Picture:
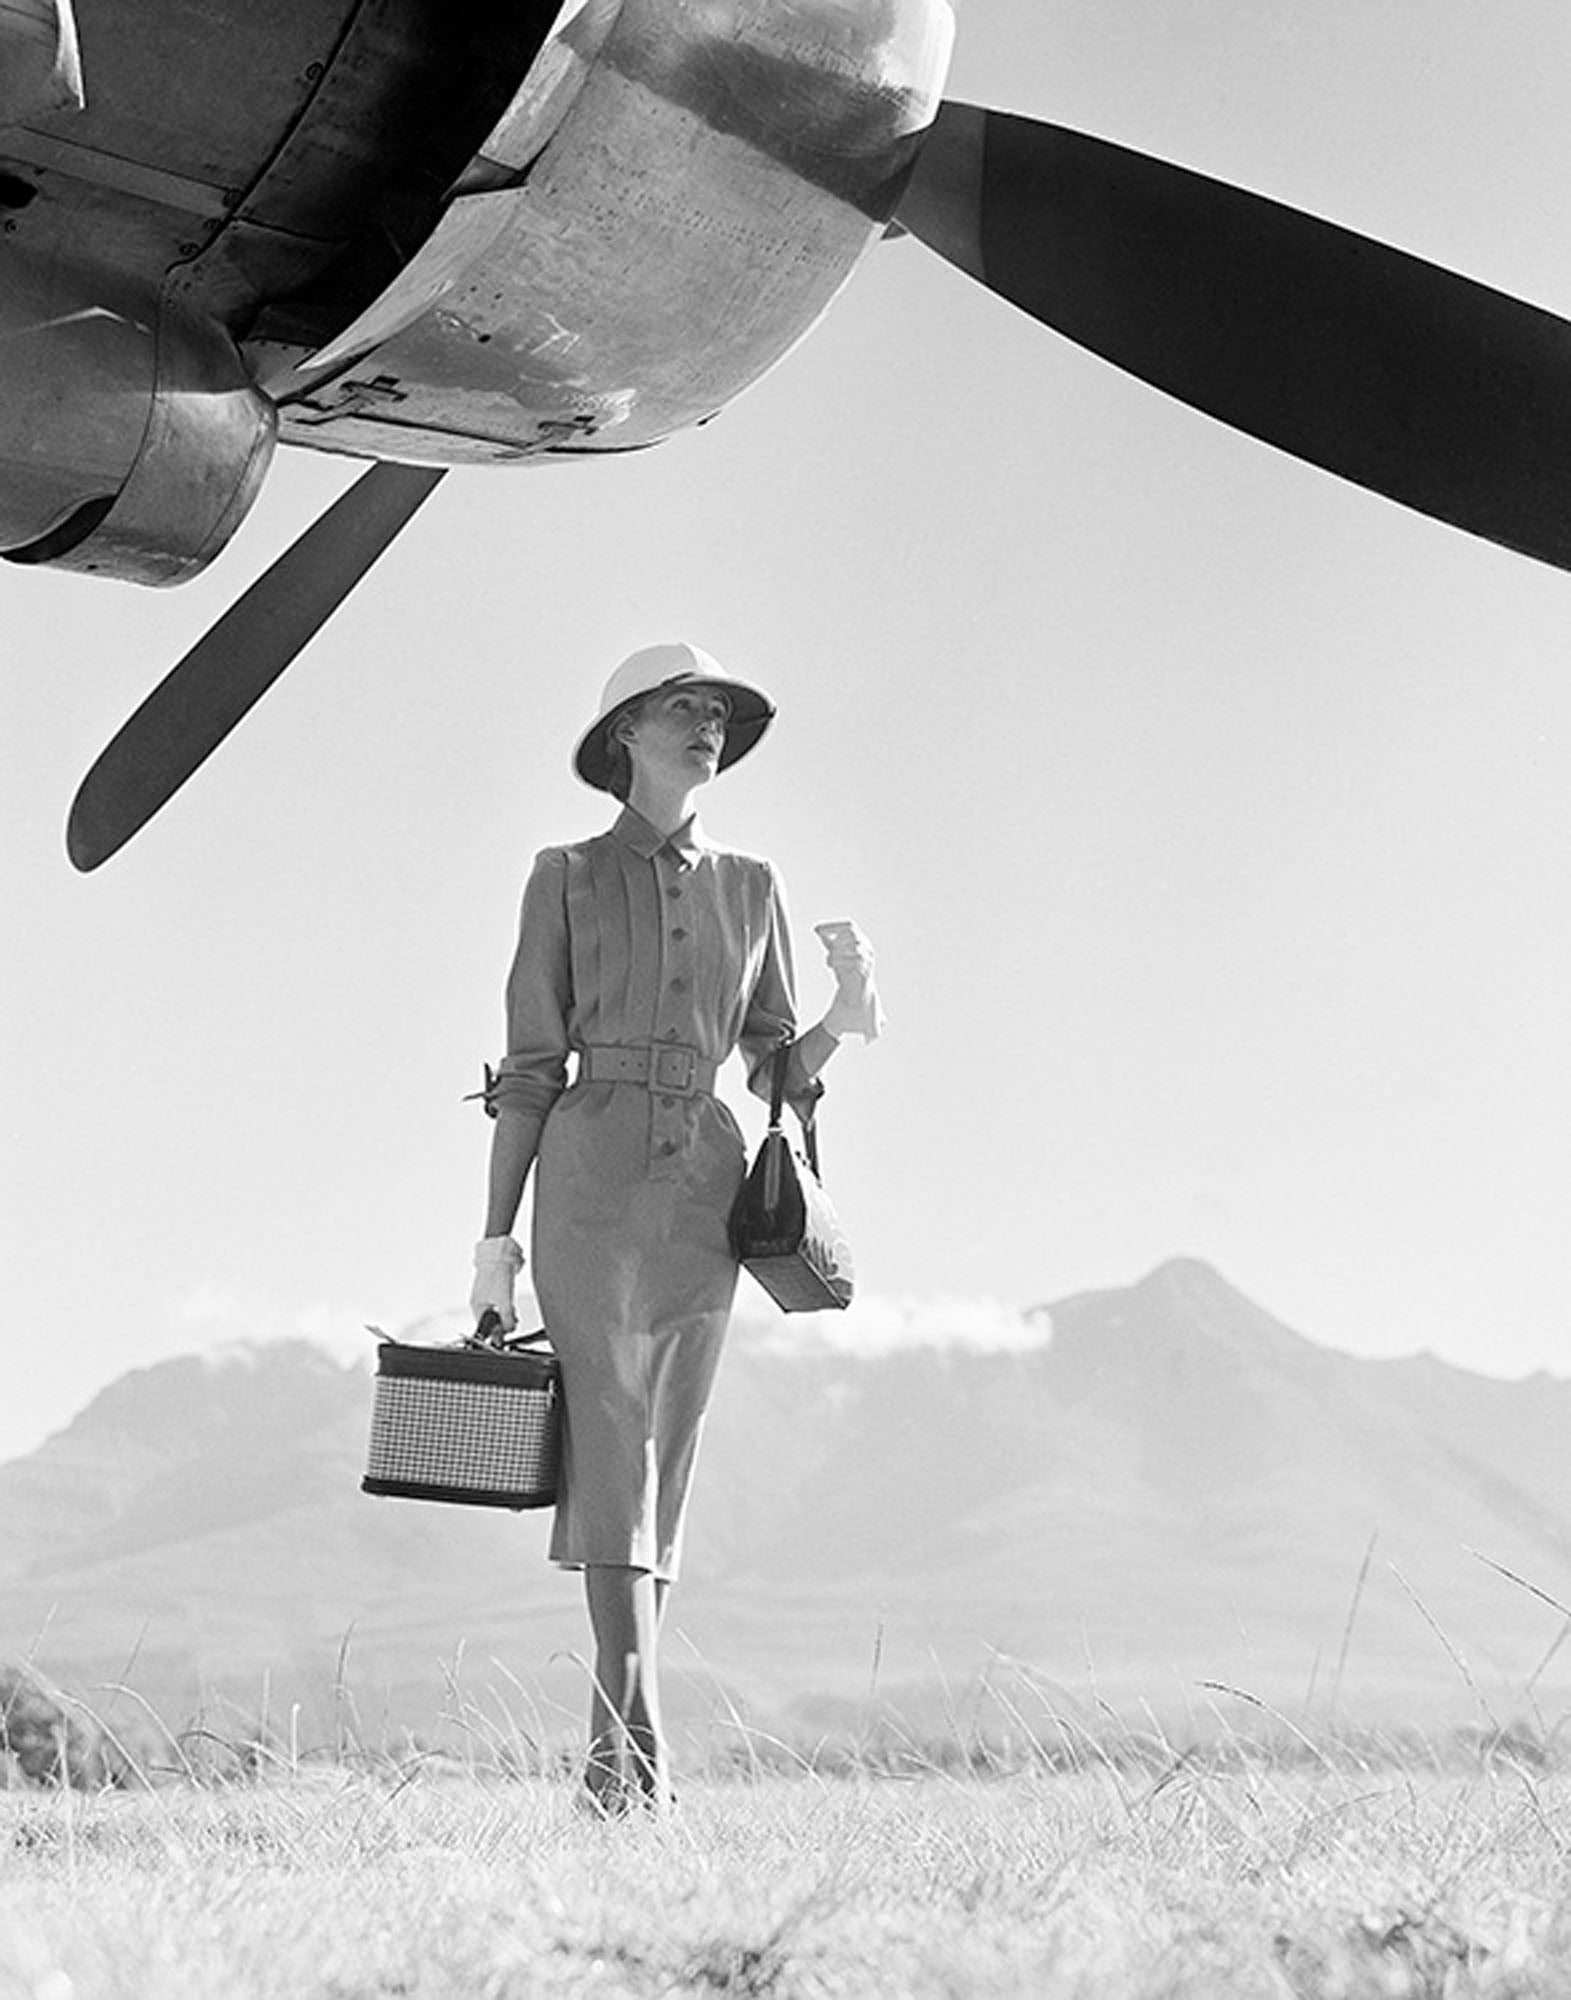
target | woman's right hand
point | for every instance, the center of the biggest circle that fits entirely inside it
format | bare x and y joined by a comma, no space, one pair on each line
498,1261
855,1009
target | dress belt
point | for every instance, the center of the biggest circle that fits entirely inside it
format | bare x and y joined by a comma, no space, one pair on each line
670,1068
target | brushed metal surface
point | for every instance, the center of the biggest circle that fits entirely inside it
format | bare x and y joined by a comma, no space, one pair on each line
40,59
230,157
664,203
199,464
289,157
79,362
719,169
542,102
134,178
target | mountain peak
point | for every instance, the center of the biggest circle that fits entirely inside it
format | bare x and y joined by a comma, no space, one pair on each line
240,1387
1190,1294
1187,1274
1180,1292
1182,1315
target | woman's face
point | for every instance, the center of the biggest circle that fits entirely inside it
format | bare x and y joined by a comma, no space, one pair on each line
679,731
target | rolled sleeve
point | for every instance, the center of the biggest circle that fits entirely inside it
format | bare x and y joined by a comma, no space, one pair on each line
533,1072
771,1013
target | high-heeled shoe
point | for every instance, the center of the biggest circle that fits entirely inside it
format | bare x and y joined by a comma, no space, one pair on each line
603,1792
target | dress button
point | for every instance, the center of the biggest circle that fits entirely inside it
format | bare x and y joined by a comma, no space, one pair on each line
666,1103
668,1145
679,934
679,985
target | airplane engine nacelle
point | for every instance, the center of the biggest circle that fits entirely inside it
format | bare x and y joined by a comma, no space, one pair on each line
677,193
132,437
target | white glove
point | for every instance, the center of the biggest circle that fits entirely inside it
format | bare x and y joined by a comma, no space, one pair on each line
854,1009
498,1261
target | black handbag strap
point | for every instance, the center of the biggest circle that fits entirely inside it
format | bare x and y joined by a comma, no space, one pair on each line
777,1078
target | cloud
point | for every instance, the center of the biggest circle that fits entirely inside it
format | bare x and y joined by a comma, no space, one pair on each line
875,1323
226,1321
883,1324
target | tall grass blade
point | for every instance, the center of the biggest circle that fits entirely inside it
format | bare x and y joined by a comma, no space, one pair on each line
1352,1617
1456,1658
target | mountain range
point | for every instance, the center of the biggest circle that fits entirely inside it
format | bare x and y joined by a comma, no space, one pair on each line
1169,1495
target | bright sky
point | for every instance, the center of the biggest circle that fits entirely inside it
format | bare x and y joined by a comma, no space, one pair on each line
1212,819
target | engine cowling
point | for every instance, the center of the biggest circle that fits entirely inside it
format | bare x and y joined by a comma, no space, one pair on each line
693,182
132,437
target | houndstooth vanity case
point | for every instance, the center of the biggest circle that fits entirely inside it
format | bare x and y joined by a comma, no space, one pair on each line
479,1424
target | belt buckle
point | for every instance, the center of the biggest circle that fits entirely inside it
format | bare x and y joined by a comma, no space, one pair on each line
674,1069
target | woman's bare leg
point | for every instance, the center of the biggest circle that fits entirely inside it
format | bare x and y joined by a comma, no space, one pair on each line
627,1753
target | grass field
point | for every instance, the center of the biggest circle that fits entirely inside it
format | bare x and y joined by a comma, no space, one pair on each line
1271,1869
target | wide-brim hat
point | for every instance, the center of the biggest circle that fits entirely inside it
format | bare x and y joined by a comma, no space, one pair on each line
648,671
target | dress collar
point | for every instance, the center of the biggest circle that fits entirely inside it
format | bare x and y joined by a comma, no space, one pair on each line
634,831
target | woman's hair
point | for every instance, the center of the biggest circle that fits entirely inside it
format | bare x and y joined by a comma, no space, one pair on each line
619,772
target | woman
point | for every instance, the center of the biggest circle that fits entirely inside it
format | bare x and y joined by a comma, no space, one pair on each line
648,955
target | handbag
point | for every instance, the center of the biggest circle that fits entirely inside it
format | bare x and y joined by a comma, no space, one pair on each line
783,1226
479,1424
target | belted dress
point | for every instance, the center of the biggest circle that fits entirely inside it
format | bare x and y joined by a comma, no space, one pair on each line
647,959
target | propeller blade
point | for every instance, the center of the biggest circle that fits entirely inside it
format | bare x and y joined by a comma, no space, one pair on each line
194,707
1434,390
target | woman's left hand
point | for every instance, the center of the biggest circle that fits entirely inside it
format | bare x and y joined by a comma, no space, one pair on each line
854,1009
